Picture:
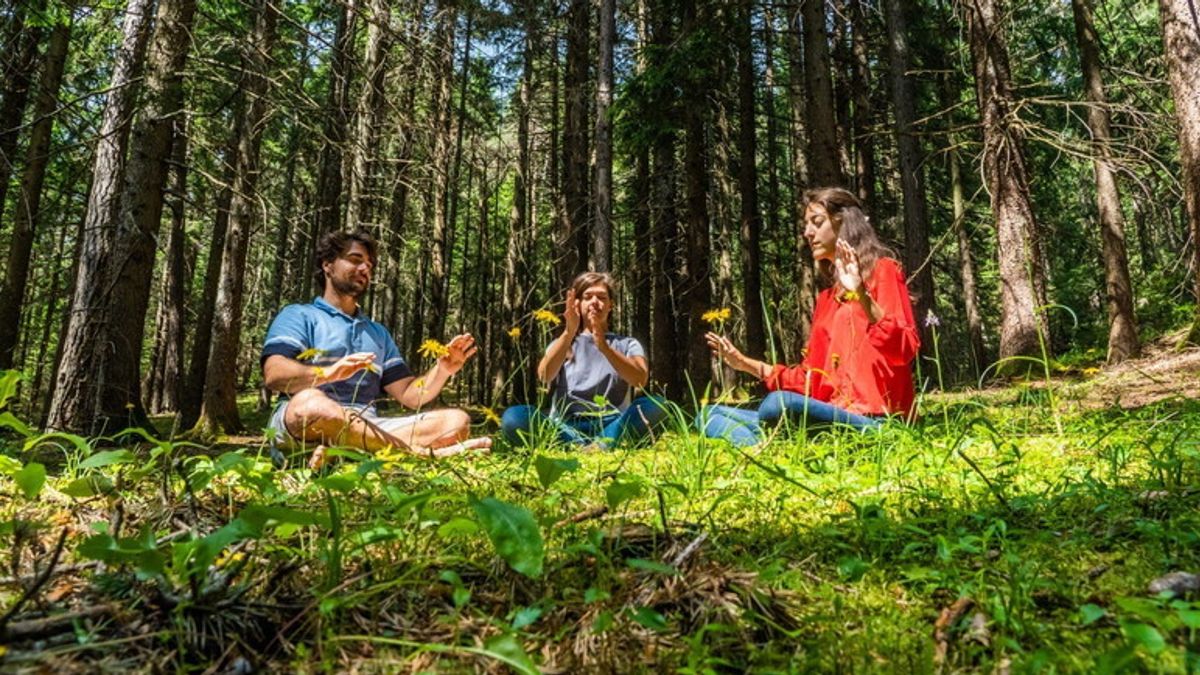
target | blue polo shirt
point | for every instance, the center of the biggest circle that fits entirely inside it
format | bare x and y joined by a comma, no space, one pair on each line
319,334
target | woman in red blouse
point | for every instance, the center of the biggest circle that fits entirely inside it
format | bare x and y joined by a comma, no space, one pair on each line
856,366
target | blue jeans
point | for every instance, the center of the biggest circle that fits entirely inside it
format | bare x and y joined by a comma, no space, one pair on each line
523,423
744,427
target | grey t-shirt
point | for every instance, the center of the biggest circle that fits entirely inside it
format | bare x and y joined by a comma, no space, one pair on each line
586,375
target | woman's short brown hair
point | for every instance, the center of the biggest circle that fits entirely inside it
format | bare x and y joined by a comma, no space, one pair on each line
588,279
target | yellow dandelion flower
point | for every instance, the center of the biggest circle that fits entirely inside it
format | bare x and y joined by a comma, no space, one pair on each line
514,332
547,317
433,349
716,316
318,372
419,383
309,354
491,416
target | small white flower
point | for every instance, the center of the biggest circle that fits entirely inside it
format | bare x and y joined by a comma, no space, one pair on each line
932,320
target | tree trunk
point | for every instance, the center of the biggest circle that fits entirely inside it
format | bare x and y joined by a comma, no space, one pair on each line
697,290
28,207
441,175
219,411
1122,328
824,165
860,86
1007,179
1181,43
572,240
640,284
602,235
131,267
164,395
73,404
370,115
966,268
751,217
328,216
800,146
912,181
17,74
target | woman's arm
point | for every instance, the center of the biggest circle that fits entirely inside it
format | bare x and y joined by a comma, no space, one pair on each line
558,351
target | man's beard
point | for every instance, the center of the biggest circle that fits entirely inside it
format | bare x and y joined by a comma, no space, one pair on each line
348,286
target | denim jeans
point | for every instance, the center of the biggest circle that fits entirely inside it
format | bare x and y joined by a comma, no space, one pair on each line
522,424
744,427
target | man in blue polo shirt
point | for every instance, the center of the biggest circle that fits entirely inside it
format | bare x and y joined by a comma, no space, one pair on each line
330,364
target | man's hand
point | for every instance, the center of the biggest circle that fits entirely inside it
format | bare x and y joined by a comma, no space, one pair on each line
346,367
461,348
571,314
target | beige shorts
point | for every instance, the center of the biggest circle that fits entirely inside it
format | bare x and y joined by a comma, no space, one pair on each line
284,440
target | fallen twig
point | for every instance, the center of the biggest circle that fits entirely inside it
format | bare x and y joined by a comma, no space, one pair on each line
941,628
37,583
48,625
586,514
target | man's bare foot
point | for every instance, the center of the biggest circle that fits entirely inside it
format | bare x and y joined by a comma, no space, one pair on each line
318,458
481,444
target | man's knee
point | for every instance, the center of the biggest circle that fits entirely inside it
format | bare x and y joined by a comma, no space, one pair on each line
454,423
311,408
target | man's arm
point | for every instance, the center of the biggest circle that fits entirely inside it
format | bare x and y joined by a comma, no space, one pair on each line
288,376
416,392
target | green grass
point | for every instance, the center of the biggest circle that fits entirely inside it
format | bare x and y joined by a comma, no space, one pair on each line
836,553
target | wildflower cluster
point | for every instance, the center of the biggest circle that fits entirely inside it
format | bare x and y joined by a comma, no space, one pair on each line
433,349
514,332
716,316
546,316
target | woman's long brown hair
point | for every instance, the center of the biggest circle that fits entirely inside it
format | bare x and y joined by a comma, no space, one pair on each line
852,224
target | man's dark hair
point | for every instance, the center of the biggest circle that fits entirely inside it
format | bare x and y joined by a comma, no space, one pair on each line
335,244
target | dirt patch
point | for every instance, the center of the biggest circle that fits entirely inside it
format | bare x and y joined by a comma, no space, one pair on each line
1161,373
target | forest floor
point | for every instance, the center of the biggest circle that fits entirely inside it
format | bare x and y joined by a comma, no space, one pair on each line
1015,528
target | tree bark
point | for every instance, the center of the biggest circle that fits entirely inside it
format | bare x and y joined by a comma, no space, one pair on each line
73,404
370,112
442,174
912,180
572,240
824,165
17,74
1007,180
966,268
328,217
697,290
640,275
131,268
166,386
219,411
1181,43
860,79
28,207
800,146
750,216
602,231
1122,328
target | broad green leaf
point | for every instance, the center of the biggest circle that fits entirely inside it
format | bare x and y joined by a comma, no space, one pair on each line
8,465
457,527
595,595
1090,613
10,421
31,479
106,458
549,469
619,492
339,482
8,385
255,516
602,622
1144,635
652,566
649,618
852,568
89,486
1189,617
513,532
79,442
526,616
506,648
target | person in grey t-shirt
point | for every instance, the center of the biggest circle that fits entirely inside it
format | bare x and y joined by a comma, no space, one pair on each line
592,374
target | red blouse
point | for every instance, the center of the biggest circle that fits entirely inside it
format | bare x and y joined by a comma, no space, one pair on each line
856,365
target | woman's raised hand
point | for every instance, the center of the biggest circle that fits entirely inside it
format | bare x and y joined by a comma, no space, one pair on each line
571,313
845,263
725,349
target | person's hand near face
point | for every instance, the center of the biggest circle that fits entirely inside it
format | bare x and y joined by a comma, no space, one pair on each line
845,263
